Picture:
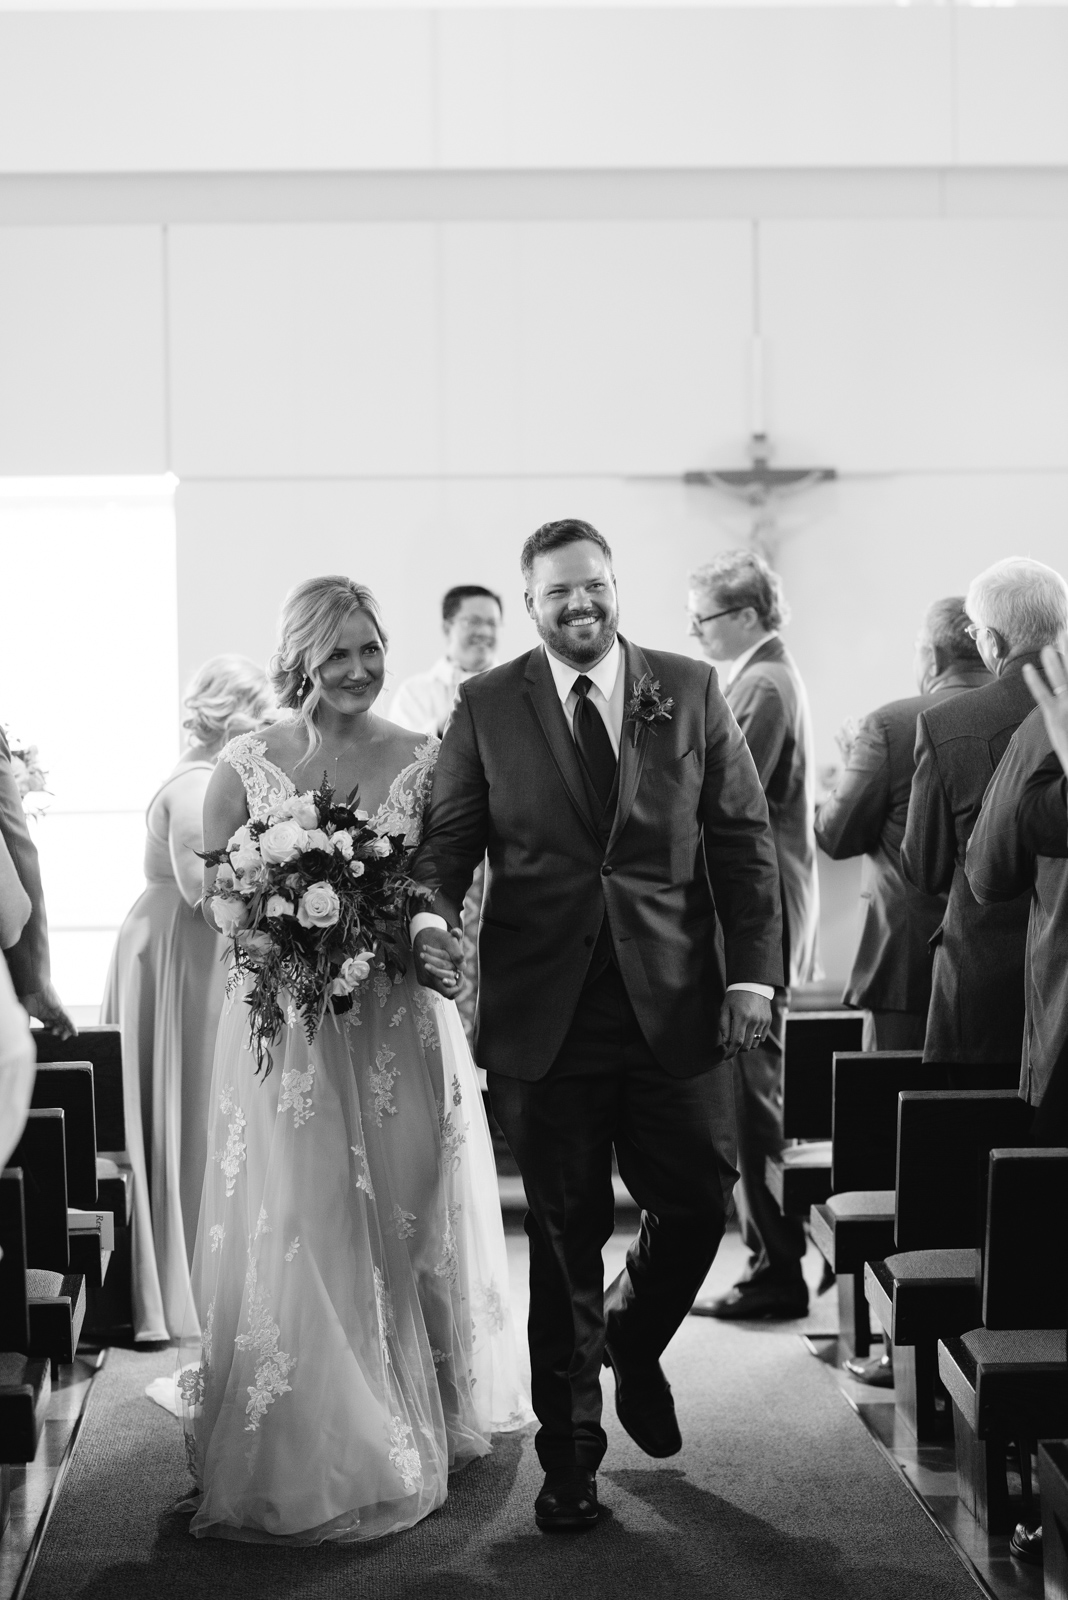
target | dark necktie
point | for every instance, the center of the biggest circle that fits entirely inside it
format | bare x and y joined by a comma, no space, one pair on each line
594,745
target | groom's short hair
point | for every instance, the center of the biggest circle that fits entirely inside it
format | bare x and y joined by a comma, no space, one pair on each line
554,535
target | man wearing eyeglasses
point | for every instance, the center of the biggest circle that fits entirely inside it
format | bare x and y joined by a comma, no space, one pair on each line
977,982
736,608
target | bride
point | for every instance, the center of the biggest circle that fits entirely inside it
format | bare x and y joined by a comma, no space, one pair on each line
350,1274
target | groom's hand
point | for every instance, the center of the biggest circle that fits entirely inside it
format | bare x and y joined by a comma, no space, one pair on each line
744,1020
438,957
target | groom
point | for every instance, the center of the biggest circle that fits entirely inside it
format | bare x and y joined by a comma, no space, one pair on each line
625,827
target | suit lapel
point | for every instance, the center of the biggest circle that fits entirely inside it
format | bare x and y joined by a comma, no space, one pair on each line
631,753
549,715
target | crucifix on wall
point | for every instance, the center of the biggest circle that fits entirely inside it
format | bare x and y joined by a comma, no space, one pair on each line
761,486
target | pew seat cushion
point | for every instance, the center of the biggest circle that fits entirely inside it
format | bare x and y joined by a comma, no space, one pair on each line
922,1295
853,1227
800,1176
57,1311
1012,1382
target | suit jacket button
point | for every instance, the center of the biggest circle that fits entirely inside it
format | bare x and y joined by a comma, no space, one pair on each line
606,871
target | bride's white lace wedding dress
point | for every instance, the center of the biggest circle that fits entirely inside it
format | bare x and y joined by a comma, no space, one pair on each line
350,1275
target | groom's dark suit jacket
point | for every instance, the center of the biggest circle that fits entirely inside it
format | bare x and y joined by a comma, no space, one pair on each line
686,851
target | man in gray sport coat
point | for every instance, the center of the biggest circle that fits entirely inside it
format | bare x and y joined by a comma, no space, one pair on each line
630,934
737,608
977,982
865,815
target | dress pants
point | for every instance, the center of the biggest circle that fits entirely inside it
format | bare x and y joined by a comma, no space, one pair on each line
894,1030
776,1243
674,1143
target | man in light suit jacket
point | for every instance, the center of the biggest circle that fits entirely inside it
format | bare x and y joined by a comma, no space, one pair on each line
891,977
1020,847
630,938
28,960
736,609
977,980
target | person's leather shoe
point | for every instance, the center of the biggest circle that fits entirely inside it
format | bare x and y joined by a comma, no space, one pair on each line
1026,1545
876,1371
644,1405
756,1302
567,1502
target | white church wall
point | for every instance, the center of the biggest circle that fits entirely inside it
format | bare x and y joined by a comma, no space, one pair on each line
917,345
81,350
201,90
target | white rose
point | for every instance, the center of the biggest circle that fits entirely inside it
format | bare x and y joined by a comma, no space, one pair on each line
283,841
224,877
230,914
319,907
242,839
357,869
279,906
362,816
339,986
302,809
341,843
246,863
355,970
376,847
316,839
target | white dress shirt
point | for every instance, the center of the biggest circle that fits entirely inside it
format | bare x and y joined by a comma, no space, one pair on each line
607,695
425,700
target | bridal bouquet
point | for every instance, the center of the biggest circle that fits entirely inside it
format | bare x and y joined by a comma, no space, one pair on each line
313,899
30,776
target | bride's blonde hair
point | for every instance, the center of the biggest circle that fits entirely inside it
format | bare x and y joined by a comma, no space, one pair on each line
313,616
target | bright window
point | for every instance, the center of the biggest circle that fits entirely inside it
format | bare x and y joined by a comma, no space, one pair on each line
89,673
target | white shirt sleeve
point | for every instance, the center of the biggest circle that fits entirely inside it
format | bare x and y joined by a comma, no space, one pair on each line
754,988
427,919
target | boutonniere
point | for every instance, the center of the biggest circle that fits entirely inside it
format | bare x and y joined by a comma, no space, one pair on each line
647,706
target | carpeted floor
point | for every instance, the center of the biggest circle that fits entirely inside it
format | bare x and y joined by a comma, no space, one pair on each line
779,1494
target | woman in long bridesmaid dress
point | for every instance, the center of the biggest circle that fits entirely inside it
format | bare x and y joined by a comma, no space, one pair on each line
165,990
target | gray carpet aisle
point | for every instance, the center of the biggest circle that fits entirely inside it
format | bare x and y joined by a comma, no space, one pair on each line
779,1492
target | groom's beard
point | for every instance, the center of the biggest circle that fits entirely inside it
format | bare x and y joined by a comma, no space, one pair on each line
581,649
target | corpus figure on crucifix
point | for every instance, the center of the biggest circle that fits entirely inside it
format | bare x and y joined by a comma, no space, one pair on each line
760,486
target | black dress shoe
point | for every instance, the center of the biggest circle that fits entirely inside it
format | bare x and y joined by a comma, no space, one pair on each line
756,1302
876,1371
567,1502
644,1405
1026,1545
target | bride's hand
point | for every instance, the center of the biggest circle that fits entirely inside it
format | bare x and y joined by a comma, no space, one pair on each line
438,958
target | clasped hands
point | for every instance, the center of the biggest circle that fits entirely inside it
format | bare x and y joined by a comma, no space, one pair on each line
439,954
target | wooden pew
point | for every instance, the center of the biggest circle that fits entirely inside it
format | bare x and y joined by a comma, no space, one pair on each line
855,1224
1008,1379
102,1047
800,1177
56,1295
25,1381
1053,1487
110,1310
90,1226
929,1287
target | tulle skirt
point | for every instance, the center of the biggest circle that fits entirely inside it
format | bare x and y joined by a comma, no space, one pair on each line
165,989
350,1277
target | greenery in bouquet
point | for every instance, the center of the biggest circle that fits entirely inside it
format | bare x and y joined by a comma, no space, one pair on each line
314,900
30,777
